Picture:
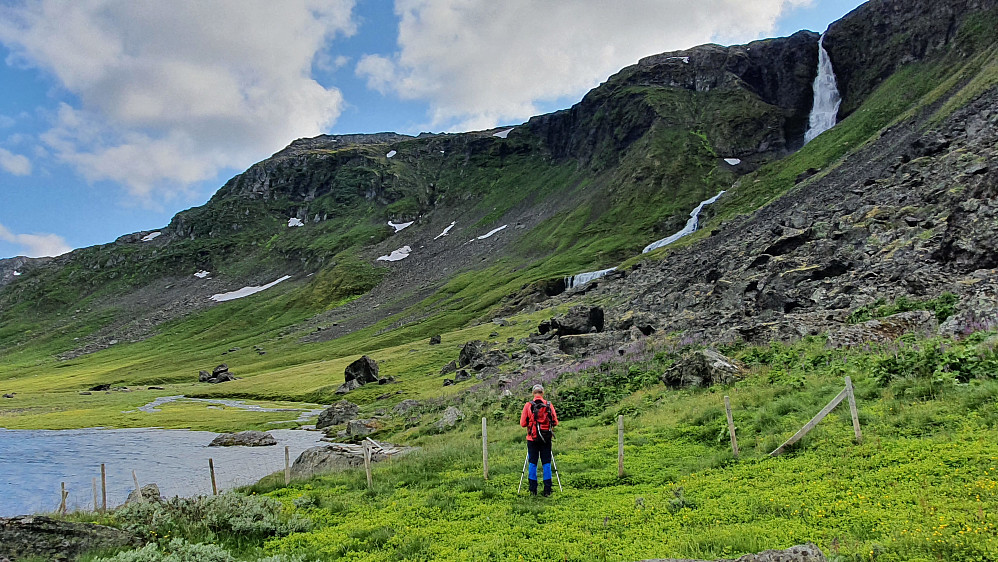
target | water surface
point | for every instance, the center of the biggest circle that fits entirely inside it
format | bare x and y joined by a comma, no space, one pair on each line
34,462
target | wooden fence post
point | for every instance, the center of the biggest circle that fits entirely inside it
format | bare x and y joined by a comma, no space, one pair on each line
367,465
138,490
287,465
103,487
620,446
731,426
485,449
62,498
211,469
810,425
853,411
96,503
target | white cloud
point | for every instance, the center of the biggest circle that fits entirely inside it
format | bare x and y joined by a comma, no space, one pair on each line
171,92
36,245
16,164
6,121
480,63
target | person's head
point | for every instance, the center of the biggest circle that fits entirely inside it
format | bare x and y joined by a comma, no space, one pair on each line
538,392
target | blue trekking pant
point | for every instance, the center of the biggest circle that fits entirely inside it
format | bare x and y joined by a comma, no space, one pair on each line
539,450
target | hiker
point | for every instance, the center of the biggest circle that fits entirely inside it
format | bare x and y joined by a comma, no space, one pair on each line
539,418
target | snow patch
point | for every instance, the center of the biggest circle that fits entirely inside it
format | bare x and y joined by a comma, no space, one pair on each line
246,291
733,161
17,274
391,153
202,274
400,226
691,226
581,279
491,232
151,236
397,255
446,231
293,222
503,134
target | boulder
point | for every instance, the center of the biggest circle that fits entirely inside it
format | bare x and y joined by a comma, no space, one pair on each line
145,494
579,320
328,458
360,428
462,375
223,368
244,439
363,370
449,418
203,376
102,387
802,553
473,352
340,412
347,387
448,368
448,382
435,340
701,368
218,374
44,538
405,406
644,322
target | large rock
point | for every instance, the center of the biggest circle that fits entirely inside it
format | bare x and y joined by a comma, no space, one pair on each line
449,418
328,458
363,370
701,368
405,406
44,538
579,320
473,352
802,553
340,412
244,439
218,374
360,428
348,386
145,494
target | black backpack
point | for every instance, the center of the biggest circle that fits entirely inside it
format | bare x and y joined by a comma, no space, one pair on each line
536,407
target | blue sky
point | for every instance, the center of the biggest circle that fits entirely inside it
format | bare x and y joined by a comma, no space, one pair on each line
114,116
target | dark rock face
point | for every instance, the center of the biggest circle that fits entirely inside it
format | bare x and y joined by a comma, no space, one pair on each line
870,43
363,370
49,539
340,412
243,439
579,320
802,553
701,369
472,352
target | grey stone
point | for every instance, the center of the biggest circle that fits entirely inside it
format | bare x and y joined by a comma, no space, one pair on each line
340,412
473,352
244,439
449,418
360,428
363,370
145,494
435,340
448,368
579,320
405,406
701,368
348,386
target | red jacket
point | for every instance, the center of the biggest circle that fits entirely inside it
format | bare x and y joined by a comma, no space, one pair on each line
527,419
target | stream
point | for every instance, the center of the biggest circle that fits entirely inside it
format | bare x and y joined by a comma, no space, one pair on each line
34,462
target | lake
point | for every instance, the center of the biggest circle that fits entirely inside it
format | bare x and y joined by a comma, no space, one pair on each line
34,462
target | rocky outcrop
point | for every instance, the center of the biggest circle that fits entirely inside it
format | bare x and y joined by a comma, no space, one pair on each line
33,536
921,322
449,418
802,553
578,320
360,428
702,368
340,412
359,373
244,439
338,456
218,374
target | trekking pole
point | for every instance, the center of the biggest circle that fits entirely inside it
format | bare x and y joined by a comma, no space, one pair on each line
554,465
522,472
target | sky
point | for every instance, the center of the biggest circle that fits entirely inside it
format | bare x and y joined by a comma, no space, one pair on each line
116,114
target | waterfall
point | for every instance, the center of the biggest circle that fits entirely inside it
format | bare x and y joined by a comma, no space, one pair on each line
825,110
691,226
581,279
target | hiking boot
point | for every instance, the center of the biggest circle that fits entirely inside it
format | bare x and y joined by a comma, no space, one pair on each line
532,486
547,488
